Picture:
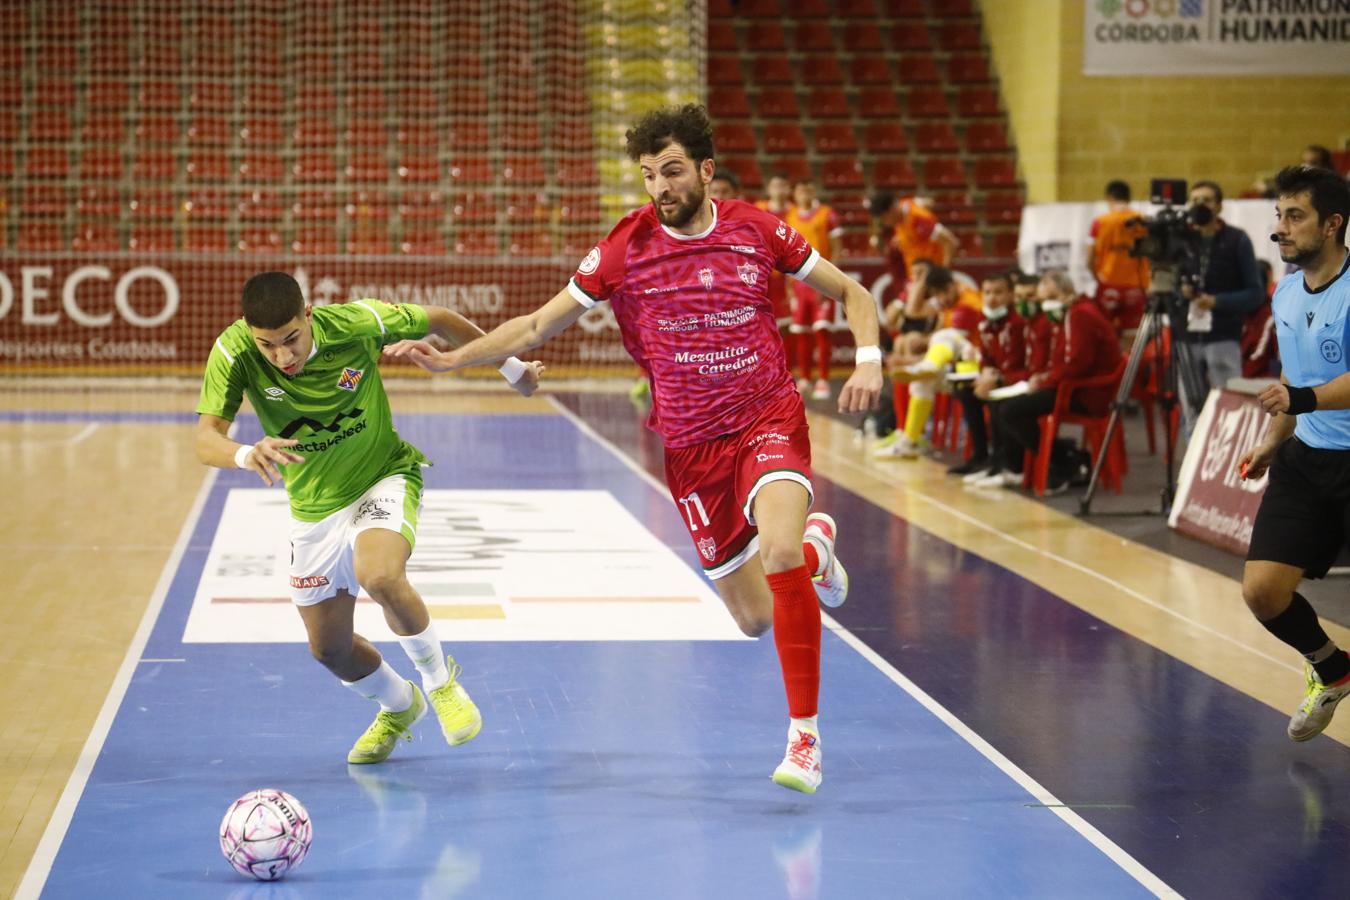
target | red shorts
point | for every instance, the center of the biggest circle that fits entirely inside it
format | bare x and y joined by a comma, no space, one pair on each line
714,483
810,309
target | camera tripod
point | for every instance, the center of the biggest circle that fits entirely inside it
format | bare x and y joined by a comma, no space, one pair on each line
1178,379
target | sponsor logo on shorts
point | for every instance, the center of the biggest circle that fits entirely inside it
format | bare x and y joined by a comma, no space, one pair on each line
707,548
350,378
765,457
307,582
371,509
771,437
591,262
749,273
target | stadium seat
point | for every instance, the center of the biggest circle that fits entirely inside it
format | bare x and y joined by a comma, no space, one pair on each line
153,205
943,172
968,69
822,70
810,9
530,243
771,70
161,58
367,134
878,103
55,92
760,9
728,103
935,137
365,166
422,206
315,99
579,209
98,202
260,206
100,164
955,9
159,96
955,209
474,208
986,137
576,171
885,137
314,131
58,59
471,168
796,168
994,172
417,135
971,245
12,55
957,36
870,70
422,242
778,103
206,239
260,240
104,95
109,56
835,137
919,68
208,166
368,241
910,37
315,241
828,103
852,213
1003,209
473,242
520,136
48,162
261,134
856,9
206,206
725,70
210,131
842,174
371,205
926,103
522,170
263,98
152,240
261,168
41,237
211,97
314,206
1004,244
809,37
96,237
49,126
977,103
735,137
467,100
857,242
861,37
415,100
6,163
895,173
44,201
721,37
746,169
101,128
314,168
784,137
156,130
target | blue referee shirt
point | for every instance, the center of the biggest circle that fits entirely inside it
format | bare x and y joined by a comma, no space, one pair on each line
1313,331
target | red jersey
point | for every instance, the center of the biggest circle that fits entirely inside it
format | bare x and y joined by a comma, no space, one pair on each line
1084,347
1039,334
1003,346
694,312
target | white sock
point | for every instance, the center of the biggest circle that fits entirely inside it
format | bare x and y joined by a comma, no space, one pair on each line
385,686
425,652
809,723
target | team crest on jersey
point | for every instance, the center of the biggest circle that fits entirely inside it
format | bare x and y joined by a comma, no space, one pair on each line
591,262
350,378
705,277
708,548
1331,351
749,274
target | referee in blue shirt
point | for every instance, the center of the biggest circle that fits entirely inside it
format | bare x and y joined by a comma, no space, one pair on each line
1305,513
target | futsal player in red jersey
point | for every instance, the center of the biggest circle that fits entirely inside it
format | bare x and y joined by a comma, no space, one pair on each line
687,279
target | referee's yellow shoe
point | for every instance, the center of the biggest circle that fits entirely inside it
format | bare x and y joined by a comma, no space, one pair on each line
460,719
1319,704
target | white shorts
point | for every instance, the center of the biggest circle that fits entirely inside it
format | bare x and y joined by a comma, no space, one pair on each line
321,552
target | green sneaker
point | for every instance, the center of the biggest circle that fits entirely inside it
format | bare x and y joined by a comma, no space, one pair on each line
1319,702
387,729
460,719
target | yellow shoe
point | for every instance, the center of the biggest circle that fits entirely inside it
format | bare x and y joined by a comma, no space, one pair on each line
460,719
387,730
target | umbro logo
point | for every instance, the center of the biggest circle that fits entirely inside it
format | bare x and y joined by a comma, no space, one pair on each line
274,393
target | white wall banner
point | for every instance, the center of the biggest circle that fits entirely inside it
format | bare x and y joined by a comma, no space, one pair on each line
1216,37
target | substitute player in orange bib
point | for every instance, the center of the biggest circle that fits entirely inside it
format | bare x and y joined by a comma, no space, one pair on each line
687,279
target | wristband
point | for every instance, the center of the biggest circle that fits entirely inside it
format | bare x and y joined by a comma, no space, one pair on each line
1301,400
870,354
512,369
241,456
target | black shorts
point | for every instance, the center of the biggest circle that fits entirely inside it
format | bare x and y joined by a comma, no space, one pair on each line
1303,516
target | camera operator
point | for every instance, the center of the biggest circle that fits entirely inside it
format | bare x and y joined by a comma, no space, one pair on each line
1223,287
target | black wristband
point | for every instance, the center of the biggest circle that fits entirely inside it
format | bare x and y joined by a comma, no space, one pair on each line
1301,400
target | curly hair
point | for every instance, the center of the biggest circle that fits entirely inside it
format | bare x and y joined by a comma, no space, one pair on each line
1327,192
687,126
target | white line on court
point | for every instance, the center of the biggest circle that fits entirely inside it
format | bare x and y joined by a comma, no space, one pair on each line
83,435
40,866
1109,848
1064,561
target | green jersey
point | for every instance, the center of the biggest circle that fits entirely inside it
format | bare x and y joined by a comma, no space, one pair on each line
335,406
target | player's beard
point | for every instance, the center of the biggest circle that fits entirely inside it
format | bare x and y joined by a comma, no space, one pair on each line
684,210
1303,256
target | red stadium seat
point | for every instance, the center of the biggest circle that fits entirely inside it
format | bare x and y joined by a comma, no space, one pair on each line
856,9
314,206
315,99
467,100
153,205
822,70
926,103
812,37
852,213
968,69
935,137
314,131
211,96
260,240
93,237
44,201
476,243
110,56
261,168
885,137
857,242
784,137
55,92
419,168
368,241
978,103
101,128
12,55
579,209
62,59
261,206
9,125
315,241
721,37
152,240
48,162
911,37
835,137
520,136
469,136
106,95
422,206
735,137
156,130
746,169
263,97
728,103
367,133
810,9
158,58
919,68
878,103
772,70
6,164
369,206
100,164
870,70
943,172
313,168
159,96
420,135
49,125
208,166
261,134
471,168
972,245
955,9
210,131
893,172
206,239
367,167
1004,244
575,171
778,103
207,206
760,9
530,243
796,168
828,103
995,171
1003,209
986,137
842,174
862,36
954,36
522,170
417,100
725,70
41,237
98,202
422,242
474,208
955,209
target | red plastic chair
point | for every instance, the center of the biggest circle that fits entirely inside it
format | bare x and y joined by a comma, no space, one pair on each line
1036,472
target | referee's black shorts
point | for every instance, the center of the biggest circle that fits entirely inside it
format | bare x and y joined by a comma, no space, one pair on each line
1303,519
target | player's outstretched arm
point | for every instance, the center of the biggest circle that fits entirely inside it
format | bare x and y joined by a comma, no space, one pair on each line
457,331
863,388
507,339
214,448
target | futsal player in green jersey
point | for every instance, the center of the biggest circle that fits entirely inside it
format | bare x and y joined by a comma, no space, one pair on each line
312,375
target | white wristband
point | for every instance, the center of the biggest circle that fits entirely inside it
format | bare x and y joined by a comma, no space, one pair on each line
870,354
241,456
512,369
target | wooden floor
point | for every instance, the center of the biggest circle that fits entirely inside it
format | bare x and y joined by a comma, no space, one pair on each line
99,484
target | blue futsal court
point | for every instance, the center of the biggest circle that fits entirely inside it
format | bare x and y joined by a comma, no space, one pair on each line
981,736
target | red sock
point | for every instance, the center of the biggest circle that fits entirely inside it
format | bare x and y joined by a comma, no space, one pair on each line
804,353
812,557
796,632
823,348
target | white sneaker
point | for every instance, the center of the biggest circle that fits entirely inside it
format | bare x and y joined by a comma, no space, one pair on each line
1319,704
901,448
803,385
832,584
999,480
800,768
822,390
973,477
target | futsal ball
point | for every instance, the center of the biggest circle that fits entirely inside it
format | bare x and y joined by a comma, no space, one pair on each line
265,834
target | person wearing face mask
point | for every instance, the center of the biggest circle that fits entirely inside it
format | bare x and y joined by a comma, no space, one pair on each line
1001,341
1084,345
1224,289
